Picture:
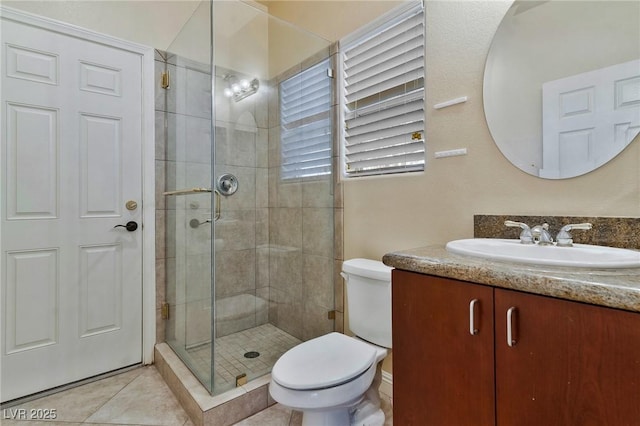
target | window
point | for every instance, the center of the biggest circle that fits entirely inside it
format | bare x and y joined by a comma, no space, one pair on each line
383,95
305,123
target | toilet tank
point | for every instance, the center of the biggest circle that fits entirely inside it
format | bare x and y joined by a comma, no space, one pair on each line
368,285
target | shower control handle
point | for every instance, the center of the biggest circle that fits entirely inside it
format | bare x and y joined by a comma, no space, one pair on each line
130,226
227,184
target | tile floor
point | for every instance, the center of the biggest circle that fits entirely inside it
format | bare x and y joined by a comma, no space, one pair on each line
135,397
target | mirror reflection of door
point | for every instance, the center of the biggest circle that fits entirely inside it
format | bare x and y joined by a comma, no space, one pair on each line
542,41
589,118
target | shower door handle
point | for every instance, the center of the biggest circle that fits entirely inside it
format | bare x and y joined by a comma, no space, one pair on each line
216,194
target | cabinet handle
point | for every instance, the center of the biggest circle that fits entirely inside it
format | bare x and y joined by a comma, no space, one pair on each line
510,313
472,311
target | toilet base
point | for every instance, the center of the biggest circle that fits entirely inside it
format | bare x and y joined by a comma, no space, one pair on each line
326,418
367,412
372,419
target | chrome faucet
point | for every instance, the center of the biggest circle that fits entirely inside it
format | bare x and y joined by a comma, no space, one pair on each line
541,234
526,237
564,238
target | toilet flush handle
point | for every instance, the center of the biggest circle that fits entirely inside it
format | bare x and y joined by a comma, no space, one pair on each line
345,276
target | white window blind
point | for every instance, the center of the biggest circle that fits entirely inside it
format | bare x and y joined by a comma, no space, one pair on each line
305,123
383,95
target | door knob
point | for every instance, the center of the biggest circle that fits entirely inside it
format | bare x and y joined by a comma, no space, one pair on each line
131,226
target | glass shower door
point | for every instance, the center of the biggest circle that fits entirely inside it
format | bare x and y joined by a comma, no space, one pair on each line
250,272
273,281
188,196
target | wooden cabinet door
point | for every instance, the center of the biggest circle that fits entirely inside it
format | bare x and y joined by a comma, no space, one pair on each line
442,374
572,363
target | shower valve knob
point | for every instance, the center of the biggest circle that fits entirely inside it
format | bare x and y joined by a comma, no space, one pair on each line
227,184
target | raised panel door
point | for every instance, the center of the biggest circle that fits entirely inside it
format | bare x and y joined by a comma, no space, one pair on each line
71,120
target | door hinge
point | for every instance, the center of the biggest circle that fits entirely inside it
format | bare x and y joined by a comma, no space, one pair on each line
331,314
165,80
330,72
241,379
165,311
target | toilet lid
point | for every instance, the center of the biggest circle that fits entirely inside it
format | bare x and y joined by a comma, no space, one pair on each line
323,362
368,268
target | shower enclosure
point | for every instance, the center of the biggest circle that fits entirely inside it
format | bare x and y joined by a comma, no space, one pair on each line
247,203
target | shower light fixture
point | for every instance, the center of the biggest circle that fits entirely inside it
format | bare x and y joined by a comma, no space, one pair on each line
240,89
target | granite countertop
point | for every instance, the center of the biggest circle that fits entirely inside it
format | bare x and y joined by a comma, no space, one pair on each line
615,288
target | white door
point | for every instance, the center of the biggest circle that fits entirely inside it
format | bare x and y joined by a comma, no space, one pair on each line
71,159
589,118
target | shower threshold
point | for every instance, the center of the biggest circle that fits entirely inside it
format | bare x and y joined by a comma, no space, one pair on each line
236,403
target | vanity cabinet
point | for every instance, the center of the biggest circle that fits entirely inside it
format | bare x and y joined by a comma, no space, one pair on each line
442,375
568,363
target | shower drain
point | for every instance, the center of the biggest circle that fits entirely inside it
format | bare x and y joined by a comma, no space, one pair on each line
252,354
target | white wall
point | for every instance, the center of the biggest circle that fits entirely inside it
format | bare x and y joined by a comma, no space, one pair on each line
153,23
330,19
400,212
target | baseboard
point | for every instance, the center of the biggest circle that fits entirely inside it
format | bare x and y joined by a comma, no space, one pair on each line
386,386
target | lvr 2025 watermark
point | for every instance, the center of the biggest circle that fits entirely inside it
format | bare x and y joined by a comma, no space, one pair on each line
29,414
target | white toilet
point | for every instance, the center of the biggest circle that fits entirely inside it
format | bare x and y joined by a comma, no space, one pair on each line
333,379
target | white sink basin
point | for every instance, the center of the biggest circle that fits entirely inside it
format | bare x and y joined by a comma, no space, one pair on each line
580,255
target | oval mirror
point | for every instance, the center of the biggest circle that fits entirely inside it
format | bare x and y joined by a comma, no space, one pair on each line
562,84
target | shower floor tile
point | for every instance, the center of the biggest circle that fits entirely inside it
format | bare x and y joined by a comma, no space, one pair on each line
229,357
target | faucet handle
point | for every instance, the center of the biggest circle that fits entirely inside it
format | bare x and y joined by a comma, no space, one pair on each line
564,238
569,227
515,224
526,237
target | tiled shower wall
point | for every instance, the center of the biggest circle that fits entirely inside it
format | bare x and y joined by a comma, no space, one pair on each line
278,244
302,260
242,232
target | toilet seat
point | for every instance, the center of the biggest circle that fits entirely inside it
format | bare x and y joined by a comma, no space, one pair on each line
326,361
